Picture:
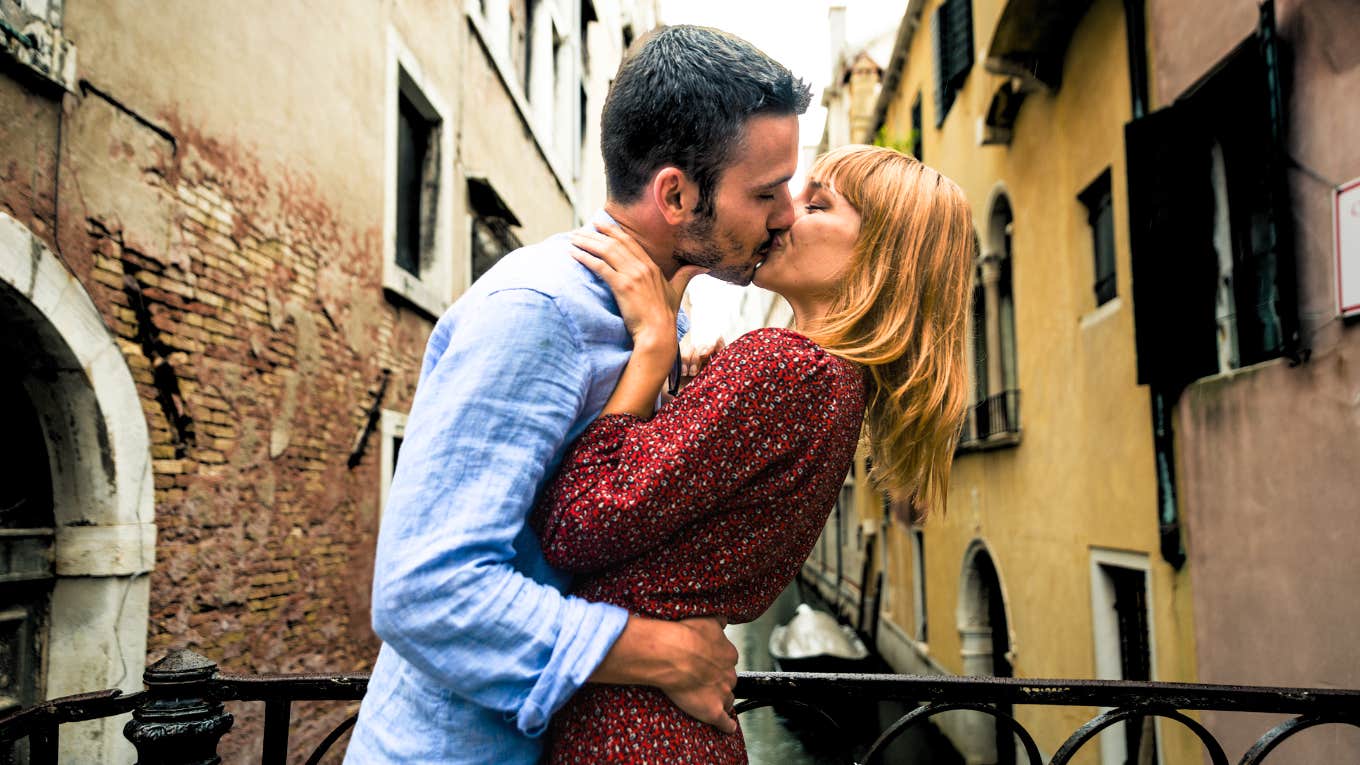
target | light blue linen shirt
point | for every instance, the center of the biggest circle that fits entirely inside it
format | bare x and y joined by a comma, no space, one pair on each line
480,646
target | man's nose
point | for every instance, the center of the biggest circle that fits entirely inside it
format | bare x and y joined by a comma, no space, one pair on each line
783,215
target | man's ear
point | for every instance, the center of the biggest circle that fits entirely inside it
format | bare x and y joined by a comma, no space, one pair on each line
674,195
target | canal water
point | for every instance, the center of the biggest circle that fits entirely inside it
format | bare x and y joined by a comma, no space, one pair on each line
771,739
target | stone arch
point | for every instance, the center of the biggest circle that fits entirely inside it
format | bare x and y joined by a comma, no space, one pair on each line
986,641
998,200
99,452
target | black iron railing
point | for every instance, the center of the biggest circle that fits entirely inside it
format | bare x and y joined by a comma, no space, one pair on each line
179,718
990,418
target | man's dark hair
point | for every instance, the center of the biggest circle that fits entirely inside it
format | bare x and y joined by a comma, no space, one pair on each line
682,97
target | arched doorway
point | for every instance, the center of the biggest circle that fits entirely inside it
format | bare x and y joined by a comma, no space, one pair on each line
78,513
984,631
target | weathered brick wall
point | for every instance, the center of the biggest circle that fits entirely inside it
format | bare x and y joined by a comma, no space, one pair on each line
255,326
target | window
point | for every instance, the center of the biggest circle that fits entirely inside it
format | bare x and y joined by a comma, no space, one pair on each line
565,87
417,249
417,165
522,40
1123,643
491,222
918,583
994,420
588,16
393,432
952,24
917,126
1210,224
1100,216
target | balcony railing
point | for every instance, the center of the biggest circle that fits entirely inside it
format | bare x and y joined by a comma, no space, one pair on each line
992,422
179,717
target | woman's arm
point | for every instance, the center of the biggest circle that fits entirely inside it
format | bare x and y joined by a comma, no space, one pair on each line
648,303
627,484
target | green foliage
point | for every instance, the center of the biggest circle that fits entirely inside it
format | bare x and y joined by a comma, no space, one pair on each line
903,145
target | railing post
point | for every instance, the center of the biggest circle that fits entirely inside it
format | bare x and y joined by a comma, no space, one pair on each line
180,724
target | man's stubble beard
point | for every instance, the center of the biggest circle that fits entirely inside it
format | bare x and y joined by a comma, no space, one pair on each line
699,247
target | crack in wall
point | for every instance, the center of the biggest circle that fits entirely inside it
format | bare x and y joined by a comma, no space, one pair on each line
157,351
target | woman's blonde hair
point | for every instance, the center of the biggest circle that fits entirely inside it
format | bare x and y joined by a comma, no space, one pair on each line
901,311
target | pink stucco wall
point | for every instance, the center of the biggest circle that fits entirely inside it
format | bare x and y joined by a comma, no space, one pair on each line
1269,457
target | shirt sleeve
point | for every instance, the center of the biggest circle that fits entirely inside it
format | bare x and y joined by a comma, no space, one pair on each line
492,411
630,484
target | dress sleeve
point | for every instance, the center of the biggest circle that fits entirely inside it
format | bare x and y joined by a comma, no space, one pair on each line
628,484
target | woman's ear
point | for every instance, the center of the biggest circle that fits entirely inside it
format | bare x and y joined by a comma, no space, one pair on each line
674,195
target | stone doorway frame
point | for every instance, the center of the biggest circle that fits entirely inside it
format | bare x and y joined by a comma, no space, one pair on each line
103,492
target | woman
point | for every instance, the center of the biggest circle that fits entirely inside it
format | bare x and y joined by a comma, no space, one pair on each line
711,506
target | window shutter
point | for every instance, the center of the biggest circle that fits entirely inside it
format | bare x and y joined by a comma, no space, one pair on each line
1175,271
959,40
1268,259
952,38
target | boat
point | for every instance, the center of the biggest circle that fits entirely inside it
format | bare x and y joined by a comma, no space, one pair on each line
813,641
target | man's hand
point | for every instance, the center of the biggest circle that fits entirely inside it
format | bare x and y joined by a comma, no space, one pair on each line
691,661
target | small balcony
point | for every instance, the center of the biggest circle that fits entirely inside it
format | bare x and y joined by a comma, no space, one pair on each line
992,423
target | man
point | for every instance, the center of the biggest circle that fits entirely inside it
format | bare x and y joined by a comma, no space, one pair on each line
480,646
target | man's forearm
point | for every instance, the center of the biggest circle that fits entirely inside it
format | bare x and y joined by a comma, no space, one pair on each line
691,661
640,655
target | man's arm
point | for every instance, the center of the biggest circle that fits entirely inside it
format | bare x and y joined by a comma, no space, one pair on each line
691,661
493,410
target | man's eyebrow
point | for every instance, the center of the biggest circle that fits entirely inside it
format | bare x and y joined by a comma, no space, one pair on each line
775,183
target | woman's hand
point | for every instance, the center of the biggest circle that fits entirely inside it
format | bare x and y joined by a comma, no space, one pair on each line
648,304
693,360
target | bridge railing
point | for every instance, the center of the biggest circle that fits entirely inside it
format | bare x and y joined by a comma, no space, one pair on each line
179,718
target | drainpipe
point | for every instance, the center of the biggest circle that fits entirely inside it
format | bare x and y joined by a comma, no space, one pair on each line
1168,511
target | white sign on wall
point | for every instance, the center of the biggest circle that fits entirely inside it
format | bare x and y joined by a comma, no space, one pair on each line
1346,214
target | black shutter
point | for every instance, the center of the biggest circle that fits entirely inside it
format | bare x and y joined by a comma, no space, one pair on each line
959,40
952,38
1269,258
1175,266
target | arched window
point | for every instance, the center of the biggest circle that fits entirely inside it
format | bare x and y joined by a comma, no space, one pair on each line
995,417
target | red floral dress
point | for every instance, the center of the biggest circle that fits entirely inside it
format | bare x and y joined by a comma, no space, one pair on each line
708,508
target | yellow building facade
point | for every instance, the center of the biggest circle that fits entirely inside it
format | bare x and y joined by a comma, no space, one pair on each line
1047,561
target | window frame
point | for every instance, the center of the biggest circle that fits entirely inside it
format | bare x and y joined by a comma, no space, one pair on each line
432,290
1098,199
393,428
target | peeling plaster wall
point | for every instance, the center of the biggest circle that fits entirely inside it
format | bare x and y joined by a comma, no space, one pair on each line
216,184
214,179
250,316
